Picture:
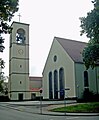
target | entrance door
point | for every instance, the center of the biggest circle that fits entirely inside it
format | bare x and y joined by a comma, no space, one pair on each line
20,96
33,96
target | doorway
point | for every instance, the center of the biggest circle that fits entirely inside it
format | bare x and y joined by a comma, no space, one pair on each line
20,96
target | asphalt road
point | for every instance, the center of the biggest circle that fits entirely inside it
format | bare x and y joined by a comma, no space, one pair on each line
7,113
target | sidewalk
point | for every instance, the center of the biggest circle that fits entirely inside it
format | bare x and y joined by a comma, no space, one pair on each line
44,107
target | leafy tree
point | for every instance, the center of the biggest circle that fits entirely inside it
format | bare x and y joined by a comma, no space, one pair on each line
2,63
90,27
91,55
1,86
7,10
1,74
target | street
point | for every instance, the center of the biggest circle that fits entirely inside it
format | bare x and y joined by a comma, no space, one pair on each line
7,113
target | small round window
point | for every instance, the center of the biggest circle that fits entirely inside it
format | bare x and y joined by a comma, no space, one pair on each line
55,58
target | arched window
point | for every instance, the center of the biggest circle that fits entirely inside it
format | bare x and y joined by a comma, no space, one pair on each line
20,36
86,84
55,84
50,86
61,81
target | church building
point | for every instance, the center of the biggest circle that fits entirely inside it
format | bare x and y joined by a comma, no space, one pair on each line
64,74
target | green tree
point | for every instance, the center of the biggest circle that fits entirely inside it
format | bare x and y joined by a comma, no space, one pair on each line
2,64
90,27
1,74
7,10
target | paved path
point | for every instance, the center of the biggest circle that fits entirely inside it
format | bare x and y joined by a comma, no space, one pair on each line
35,107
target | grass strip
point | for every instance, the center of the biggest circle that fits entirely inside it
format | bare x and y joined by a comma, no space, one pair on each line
82,108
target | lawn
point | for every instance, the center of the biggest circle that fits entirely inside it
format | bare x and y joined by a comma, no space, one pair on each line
85,107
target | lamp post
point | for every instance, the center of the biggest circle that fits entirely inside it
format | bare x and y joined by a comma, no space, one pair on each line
65,99
41,101
63,92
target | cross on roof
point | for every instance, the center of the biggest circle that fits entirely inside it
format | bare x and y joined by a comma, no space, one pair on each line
19,17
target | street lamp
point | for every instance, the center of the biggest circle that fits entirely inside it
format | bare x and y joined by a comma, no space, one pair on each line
41,100
62,91
64,98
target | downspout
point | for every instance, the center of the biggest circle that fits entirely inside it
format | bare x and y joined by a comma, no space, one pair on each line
76,83
96,81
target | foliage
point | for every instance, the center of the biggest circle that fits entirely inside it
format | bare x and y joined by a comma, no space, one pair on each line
7,10
1,86
91,55
2,65
88,95
90,27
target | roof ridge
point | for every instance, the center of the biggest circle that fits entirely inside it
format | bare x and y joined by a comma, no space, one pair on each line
70,40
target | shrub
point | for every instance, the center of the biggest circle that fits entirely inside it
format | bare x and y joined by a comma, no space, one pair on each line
88,96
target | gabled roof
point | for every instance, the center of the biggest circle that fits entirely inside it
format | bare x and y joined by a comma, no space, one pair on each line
73,48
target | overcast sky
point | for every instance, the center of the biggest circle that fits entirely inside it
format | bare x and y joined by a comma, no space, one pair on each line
48,18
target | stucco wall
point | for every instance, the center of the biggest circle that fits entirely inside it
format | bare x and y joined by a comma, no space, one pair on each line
92,79
79,79
19,63
63,61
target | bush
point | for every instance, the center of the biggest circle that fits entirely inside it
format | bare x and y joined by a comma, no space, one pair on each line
96,97
4,98
88,95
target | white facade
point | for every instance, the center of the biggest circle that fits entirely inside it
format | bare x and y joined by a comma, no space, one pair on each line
63,61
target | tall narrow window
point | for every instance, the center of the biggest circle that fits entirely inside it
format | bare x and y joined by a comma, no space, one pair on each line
86,84
55,84
50,86
61,81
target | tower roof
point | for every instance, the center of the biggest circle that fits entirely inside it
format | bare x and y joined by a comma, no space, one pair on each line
14,22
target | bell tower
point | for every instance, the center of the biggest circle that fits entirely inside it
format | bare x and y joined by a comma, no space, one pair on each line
19,62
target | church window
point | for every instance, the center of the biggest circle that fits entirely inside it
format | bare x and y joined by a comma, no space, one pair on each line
86,84
61,81
55,84
20,36
50,86
20,82
20,66
55,58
